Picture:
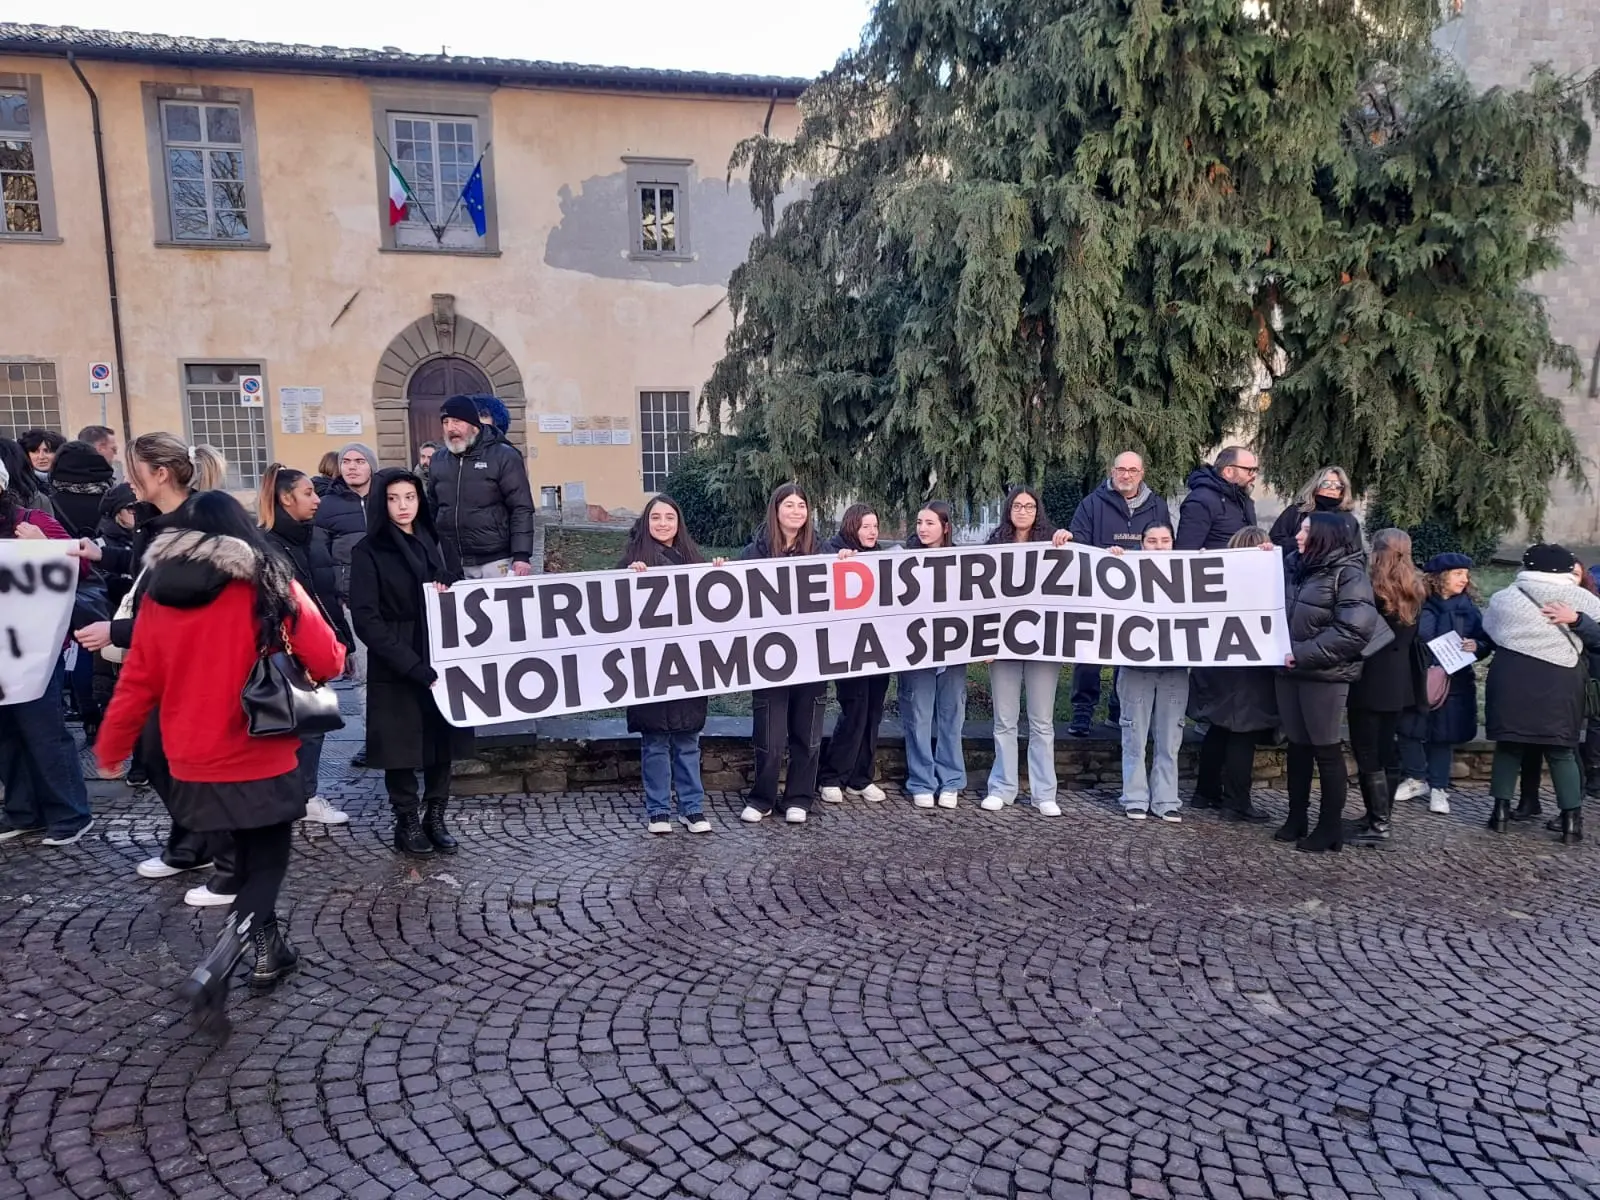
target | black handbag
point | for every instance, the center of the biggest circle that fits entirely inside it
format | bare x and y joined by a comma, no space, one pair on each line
279,698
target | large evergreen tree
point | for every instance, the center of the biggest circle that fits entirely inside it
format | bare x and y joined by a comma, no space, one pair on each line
1034,232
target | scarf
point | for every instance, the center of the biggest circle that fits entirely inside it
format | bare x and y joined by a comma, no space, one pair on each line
1514,621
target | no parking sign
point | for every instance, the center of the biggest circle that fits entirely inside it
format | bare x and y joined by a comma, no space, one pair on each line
100,377
251,393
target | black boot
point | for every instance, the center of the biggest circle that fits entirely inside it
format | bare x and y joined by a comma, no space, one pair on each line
1375,795
1571,825
1500,816
275,958
1527,809
1299,766
433,826
409,836
1329,833
206,989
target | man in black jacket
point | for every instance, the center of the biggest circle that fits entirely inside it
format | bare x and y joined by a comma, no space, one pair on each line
1218,504
1115,514
480,497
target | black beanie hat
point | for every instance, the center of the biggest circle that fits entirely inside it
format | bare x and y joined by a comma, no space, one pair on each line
1548,559
117,499
79,462
462,408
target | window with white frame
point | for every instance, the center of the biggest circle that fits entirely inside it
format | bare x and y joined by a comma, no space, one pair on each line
435,155
658,191
28,398
19,172
204,152
217,418
658,218
666,434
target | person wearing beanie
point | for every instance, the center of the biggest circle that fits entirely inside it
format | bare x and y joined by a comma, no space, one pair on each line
479,492
80,479
1428,738
1543,627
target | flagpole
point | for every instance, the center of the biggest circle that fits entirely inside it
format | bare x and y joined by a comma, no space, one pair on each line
436,230
475,168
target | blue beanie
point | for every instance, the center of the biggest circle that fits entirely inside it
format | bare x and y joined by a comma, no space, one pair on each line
1453,561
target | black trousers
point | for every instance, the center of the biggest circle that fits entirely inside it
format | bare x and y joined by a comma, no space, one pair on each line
787,718
262,862
1372,740
1227,765
402,786
186,848
847,761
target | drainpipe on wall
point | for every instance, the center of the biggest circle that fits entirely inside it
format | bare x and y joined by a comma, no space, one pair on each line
111,258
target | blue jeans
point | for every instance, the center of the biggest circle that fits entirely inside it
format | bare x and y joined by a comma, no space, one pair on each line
1429,761
933,707
1153,700
667,760
1086,692
310,764
39,766
1007,678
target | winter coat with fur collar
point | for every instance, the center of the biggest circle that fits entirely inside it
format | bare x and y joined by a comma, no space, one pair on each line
193,647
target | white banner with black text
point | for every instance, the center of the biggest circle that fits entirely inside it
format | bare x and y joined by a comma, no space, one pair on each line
543,646
37,584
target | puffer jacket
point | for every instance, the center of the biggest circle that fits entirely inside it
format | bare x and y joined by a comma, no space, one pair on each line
1212,512
482,502
1104,519
340,523
1333,617
686,715
313,567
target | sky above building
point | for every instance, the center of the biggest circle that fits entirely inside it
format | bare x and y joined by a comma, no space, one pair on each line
743,36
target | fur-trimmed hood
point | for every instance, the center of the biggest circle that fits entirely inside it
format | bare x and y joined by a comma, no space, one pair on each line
189,569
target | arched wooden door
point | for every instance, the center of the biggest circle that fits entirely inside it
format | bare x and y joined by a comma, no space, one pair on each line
433,383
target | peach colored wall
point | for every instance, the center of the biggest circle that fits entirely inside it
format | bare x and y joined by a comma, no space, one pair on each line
584,343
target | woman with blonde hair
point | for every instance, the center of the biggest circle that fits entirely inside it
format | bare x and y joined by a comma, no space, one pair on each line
1328,490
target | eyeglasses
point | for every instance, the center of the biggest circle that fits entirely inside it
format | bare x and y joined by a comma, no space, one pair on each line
1024,506
1251,470
1126,470
1332,485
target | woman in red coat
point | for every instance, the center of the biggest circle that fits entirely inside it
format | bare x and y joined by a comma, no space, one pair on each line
215,600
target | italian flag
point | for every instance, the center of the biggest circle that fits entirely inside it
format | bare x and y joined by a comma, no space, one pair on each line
397,196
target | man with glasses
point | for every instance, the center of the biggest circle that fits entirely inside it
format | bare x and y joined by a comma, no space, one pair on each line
1116,513
1218,504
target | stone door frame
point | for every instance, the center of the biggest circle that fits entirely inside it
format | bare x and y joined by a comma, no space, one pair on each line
441,334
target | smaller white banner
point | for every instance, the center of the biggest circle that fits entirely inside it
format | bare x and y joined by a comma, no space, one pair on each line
37,583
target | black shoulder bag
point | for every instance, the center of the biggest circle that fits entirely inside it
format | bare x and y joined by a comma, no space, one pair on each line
280,698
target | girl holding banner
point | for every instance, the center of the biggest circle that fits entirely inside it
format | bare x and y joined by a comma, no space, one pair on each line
933,700
786,716
847,765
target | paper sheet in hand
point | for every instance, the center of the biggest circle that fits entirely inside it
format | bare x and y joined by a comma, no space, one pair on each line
1449,652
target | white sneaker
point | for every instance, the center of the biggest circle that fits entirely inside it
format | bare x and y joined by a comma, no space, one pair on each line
204,897
922,800
948,799
67,839
751,813
661,826
157,868
795,816
1439,801
1171,818
871,793
696,823
1411,789
323,813
1136,814
1048,808
831,795
991,804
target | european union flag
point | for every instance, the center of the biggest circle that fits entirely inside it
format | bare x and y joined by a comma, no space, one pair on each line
472,199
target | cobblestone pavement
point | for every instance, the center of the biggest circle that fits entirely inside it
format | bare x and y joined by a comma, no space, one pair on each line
885,1002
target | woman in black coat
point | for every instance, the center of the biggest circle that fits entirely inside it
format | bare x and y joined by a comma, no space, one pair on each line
1392,680
1241,706
1333,625
848,760
406,732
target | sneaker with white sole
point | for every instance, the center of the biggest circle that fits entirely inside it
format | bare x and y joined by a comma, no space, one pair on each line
160,868
1171,818
948,799
1411,789
204,897
323,813
1136,814
795,816
1048,808
661,826
1439,802
69,837
695,822
751,813
922,800
9,831
991,804
872,793
831,795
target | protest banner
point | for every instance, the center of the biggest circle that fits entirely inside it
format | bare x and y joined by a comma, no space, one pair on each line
37,583
510,649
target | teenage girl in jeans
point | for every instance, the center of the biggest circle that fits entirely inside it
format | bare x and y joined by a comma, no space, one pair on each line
933,700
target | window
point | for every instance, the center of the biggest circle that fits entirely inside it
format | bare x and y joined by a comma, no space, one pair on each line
203,166
26,202
435,156
218,419
28,398
657,188
666,433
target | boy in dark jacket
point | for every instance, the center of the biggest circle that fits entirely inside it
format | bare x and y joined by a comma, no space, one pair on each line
480,496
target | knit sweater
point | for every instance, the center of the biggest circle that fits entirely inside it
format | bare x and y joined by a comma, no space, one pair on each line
1514,620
